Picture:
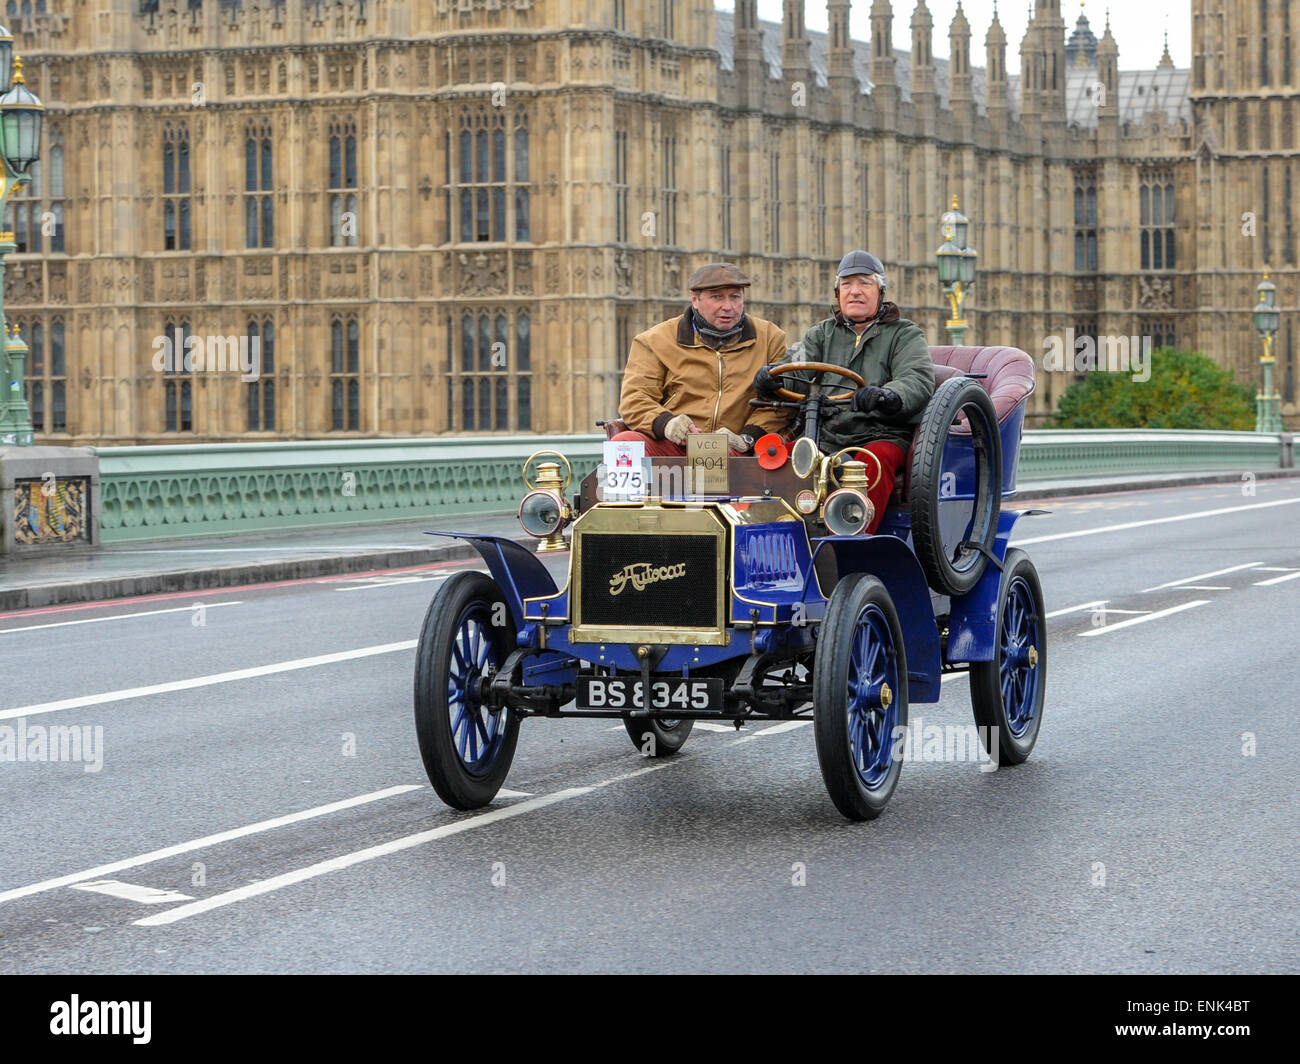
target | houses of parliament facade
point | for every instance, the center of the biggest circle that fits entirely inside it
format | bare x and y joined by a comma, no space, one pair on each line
453,216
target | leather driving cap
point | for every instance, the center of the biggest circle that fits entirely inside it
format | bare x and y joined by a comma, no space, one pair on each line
718,275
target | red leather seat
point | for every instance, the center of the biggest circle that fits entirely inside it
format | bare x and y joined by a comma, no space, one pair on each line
1009,381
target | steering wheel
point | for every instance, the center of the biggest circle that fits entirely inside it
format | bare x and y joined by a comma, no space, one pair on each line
788,368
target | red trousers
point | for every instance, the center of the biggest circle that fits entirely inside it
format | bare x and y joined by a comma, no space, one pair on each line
891,458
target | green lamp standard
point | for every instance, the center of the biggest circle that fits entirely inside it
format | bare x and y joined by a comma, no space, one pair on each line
1268,404
956,269
21,116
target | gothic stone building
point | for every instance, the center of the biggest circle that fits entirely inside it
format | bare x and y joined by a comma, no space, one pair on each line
452,217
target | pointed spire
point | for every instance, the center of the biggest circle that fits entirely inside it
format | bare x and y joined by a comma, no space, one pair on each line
1166,60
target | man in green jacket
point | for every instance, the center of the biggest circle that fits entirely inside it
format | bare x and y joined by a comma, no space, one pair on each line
866,334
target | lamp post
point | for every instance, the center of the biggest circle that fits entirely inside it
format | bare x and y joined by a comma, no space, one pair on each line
956,269
1268,403
21,117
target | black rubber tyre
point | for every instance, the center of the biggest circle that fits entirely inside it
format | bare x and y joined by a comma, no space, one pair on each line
860,697
657,738
467,749
948,569
1007,692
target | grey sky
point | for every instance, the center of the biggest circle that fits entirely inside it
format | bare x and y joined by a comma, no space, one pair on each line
1138,28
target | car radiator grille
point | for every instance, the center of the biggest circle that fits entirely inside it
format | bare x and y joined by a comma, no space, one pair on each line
649,581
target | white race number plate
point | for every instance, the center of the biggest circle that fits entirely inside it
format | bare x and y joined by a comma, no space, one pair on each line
666,693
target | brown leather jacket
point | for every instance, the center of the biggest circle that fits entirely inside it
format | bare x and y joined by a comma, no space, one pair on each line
670,372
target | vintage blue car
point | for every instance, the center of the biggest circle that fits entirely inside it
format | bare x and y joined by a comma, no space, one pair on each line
760,601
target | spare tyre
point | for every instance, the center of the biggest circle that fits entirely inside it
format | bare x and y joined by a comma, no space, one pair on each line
955,510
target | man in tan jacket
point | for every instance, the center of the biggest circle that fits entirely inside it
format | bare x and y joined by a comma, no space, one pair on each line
695,373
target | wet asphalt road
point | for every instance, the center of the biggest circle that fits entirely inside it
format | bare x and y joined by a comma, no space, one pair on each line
1154,829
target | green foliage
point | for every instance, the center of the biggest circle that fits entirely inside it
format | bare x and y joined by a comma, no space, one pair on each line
1187,390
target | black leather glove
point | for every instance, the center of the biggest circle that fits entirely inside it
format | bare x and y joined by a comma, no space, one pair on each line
765,385
873,398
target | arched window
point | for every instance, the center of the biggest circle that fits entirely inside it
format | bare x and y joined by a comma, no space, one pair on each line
178,406
488,178
259,209
489,387
260,355
343,176
176,187
345,373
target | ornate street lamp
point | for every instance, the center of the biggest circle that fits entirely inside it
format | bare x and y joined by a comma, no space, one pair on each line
21,118
956,269
1268,403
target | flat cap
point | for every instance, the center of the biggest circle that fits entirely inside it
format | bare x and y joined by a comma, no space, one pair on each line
718,275
856,262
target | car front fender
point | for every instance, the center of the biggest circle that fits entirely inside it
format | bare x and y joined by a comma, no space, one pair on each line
514,567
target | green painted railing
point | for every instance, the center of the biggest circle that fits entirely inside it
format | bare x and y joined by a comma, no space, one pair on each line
212,489
1052,454
208,489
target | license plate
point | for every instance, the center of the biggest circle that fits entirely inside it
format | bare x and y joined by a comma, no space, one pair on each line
669,694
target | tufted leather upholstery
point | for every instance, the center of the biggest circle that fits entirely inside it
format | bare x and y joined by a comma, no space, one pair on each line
1010,382
1010,372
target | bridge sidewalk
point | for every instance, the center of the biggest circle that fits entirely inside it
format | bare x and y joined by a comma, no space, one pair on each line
78,574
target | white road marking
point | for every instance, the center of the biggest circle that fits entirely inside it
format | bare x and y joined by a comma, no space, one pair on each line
205,681
266,550
1278,569
784,726
1202,587
1099,604
953,675
394,583
118,617
1152,521
506,793
346,860
145,895
1201,576
207,840
708,725
1149,617
1074,609
1276,580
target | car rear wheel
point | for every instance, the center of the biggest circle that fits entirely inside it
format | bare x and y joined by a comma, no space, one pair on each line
860,697
1007,692
466,745
657,738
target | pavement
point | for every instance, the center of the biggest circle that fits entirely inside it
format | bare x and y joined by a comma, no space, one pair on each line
57,576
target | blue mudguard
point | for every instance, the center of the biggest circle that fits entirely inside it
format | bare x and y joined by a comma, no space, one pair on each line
973,617
514,567
889,559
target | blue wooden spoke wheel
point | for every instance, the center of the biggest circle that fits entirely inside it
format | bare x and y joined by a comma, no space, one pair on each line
1007,692
467,745
860,697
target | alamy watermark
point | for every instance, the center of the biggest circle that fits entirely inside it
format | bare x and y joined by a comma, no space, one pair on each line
918,741
1083,354
75,744
219,354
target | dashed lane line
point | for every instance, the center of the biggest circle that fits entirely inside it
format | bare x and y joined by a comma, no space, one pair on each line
1148,617
114,867
205,681
1201,576
1102,529
1277,579
347,860
117,617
